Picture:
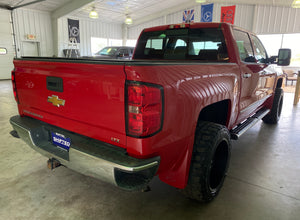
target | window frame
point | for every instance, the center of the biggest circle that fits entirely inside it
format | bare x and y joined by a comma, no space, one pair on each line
251,44
253,38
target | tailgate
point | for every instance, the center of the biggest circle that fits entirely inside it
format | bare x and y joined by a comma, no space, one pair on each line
86,97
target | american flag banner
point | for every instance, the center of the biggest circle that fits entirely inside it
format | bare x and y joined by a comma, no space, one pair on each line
188,16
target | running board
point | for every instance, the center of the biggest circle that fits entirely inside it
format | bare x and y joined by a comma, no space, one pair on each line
244,126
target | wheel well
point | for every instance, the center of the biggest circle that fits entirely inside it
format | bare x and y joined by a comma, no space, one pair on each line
279,83
217,112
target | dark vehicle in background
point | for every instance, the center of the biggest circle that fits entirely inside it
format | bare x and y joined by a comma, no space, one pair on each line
115,53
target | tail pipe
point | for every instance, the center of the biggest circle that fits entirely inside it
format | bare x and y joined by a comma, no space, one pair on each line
53,163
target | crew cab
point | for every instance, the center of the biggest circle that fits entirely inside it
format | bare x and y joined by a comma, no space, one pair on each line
171,111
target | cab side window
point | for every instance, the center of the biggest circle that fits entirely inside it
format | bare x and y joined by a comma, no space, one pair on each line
259,50
244,46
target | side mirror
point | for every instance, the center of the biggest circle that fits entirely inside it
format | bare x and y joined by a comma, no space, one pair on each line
284,57
273,59
250,59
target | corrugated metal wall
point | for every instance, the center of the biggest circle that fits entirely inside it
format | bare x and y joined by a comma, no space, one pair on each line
37,23
259,19
88,28
134,32
276,20
6,42
243,15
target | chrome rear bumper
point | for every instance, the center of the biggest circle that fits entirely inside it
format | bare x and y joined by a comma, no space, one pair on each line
88,156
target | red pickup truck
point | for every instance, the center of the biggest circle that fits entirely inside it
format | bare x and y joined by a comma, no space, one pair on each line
171,111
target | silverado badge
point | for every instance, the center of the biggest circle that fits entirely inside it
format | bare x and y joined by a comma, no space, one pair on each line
56,101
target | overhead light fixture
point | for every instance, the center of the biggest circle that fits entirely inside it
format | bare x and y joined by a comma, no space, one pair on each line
93,14
200,1
128,20
296,4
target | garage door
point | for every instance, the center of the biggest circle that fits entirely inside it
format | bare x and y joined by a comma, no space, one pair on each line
6,45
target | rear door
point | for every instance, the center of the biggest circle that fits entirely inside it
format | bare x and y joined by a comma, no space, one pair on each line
6,45
254,72
268,74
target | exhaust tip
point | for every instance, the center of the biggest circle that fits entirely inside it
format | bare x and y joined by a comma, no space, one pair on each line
53,163
14,133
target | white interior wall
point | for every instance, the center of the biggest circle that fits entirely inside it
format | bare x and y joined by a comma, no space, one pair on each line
134,31
6,41
276,20
260,19
88,28
38,23
242,17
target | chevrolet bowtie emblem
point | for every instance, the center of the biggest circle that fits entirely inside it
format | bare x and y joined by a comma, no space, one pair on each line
56,101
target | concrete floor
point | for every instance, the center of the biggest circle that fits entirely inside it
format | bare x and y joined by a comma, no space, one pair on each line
263,180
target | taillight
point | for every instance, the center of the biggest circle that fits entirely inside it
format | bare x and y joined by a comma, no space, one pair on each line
144,109
13,80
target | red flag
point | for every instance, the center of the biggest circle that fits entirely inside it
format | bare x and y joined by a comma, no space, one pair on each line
227,14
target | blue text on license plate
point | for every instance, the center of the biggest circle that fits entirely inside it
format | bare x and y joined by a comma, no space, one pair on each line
60,140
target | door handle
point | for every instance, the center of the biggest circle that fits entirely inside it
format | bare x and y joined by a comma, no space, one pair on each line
247,75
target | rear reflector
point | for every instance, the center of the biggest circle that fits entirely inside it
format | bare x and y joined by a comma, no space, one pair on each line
144,109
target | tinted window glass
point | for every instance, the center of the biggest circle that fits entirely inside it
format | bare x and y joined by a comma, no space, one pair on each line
180,43
183,44
109,51
154,44
259,50
244,46
124,52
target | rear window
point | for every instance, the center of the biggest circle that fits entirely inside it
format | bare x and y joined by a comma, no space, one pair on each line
183,44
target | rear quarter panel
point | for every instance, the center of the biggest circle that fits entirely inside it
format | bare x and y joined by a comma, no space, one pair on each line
188,87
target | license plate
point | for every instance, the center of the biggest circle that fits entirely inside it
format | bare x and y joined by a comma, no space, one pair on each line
60,140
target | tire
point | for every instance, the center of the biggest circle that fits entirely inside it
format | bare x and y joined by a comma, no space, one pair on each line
210,160
274,115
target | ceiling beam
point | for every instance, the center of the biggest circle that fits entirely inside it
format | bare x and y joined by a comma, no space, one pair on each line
69,7
26,4
7,7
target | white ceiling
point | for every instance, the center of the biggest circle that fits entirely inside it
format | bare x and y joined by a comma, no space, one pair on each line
115,10
47,5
